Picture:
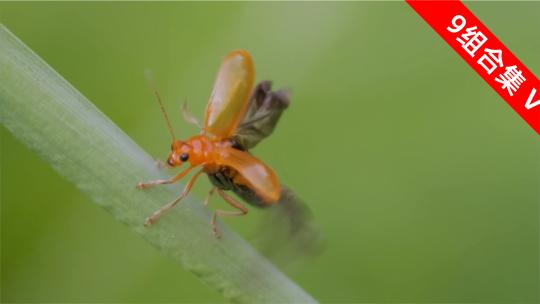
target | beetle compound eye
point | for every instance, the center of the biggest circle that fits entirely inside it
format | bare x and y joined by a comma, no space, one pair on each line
184,157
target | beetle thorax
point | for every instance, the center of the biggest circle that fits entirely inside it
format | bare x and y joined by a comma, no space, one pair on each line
202,150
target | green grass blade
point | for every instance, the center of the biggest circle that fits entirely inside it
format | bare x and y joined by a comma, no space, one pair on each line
52,118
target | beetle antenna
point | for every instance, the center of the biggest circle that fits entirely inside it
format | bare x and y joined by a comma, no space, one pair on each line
151,82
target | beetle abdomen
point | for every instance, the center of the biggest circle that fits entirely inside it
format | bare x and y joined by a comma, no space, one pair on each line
249,196
223,180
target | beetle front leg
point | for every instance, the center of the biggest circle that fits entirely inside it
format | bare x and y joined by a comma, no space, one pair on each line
161,164
156,215
164,181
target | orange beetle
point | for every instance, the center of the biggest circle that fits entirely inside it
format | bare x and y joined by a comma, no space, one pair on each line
214,151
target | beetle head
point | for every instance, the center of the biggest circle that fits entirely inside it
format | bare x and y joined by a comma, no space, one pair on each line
179,153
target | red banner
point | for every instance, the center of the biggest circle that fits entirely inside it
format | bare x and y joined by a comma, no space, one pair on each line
485,54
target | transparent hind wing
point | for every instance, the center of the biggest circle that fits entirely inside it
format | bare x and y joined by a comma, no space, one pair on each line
288,231
263,113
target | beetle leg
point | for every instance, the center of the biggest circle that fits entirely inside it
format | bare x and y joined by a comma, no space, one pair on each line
164,181
236,204
210,193
156,215
161,164
188,117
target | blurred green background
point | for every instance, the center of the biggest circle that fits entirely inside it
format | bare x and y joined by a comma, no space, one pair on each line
425,183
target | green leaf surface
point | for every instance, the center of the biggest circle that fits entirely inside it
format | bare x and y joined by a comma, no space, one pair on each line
52,118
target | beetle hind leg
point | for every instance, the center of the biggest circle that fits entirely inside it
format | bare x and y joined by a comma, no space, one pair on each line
210,193
234,203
